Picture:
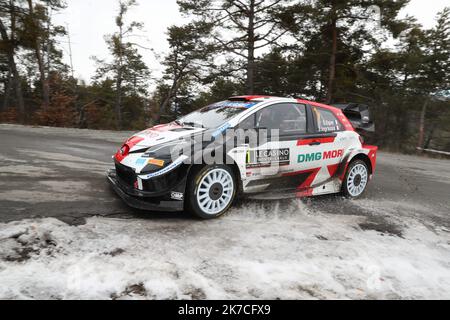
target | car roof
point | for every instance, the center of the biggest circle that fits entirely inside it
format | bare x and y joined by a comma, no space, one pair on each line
262,98
255,98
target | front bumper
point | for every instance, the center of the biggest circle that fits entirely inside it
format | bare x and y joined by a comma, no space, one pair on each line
141,200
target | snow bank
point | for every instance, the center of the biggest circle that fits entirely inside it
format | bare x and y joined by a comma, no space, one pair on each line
258,251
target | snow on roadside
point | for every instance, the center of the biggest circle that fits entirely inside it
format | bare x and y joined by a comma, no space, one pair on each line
256,252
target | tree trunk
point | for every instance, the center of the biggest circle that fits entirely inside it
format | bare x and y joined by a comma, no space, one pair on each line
251,50
119,99
332,70
15,73
8,88
163,108
423,114
172,93
81,118
118,107
40,62
48,46
429,138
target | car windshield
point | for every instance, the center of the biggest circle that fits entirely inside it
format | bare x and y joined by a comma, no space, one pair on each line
215,115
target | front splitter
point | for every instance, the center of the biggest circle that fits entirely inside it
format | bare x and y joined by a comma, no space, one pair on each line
143,203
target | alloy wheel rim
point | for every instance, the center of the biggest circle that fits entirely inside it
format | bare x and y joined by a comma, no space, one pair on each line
215,191
357,180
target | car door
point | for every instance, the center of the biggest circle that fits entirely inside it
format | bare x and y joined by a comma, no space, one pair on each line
272,165
322,152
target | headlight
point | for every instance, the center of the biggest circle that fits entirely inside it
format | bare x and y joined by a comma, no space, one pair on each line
125,150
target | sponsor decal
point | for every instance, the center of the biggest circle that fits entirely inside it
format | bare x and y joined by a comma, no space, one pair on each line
156,162
253,174
311,157
177,196
237,104
167,169
333,154
265,158
150,134
317,156
326,125
329,126
141,162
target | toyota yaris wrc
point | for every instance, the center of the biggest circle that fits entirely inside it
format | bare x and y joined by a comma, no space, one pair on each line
251,146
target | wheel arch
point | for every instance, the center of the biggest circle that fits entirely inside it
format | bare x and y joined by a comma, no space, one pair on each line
365,158
228,161
237,173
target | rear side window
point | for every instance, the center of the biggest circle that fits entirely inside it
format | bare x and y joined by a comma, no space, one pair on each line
326,121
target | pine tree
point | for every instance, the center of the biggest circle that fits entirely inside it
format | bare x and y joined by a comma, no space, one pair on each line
252,25
438,54
334,28
9,45
38,34
127,69
189,59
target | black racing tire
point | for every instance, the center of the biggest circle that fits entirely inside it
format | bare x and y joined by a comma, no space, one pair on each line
220,194
356,180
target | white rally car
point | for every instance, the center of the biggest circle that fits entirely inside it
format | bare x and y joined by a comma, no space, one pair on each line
301,148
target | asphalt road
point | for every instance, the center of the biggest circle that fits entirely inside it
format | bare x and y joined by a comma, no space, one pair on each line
60,173
392,244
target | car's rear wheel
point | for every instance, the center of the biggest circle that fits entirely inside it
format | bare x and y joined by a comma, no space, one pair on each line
356,179
211,191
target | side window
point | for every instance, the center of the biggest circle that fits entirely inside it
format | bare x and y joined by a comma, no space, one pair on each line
326,121
288,118
248,123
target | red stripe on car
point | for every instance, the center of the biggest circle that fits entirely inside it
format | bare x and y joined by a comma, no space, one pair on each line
332,170
165,127
306,142
308,182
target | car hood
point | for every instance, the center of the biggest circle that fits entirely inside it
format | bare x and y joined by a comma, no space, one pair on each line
160,135
149,139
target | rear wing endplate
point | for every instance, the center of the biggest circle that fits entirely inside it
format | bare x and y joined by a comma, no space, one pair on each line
358,115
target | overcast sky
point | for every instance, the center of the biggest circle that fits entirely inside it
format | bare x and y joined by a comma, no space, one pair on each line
90,20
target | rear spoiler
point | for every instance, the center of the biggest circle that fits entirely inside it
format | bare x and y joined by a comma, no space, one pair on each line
358,115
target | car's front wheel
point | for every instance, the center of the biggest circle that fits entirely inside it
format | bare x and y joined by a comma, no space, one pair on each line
211,191
356,179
